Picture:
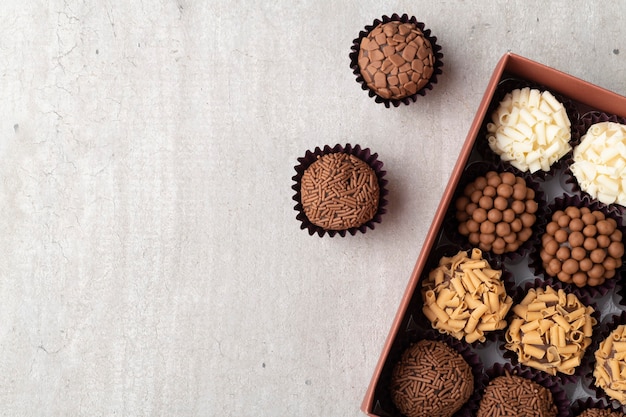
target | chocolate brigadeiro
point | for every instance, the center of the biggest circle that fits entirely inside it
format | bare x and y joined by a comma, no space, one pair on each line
431,379
396,59
339,190
511,395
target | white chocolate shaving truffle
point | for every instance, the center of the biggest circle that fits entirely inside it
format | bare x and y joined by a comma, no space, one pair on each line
530,130
599,162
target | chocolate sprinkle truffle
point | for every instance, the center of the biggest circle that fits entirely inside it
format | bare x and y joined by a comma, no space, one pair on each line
339,191
396,60
431,379
600,412
512,395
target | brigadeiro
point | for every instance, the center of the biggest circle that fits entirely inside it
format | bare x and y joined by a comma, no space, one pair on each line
591,407
396,59
339,190
513,391
432,379
512,395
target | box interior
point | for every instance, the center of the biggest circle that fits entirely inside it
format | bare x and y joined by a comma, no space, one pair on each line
409,324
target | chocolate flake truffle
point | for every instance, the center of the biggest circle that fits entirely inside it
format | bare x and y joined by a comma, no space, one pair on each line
339,191
396,60
512,395
431,379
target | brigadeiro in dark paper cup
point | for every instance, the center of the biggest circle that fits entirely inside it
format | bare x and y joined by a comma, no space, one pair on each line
339,190
529,127
591,407
604,377
497,210
597,162
551,330
396,59
581,246
513,384
409,387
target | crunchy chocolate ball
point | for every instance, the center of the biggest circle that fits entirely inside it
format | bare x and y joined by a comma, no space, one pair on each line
431,379
396,60
496,212
581,246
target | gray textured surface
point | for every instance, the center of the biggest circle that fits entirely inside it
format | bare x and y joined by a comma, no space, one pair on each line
152,261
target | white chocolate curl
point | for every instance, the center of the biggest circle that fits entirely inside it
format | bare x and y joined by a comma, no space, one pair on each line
530,129
599,162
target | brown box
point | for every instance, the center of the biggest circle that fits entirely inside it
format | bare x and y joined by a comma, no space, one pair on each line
587,97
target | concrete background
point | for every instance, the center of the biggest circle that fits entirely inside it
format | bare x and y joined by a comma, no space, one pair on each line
152,263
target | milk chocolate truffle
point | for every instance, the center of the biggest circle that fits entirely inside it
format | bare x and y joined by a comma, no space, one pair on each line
512,395
396,60
431,379
339,191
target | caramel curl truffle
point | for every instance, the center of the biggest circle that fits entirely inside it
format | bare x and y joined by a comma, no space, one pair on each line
396,60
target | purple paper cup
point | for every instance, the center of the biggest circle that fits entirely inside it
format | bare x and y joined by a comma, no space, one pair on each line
505,87
587,120
385,405
432,263
582,369
455,216
362,77
538,264
364,155
591,407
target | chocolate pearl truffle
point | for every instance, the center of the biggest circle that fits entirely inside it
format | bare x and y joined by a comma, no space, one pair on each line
496,212
339,191
581,246
512,395
396,60
431,379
